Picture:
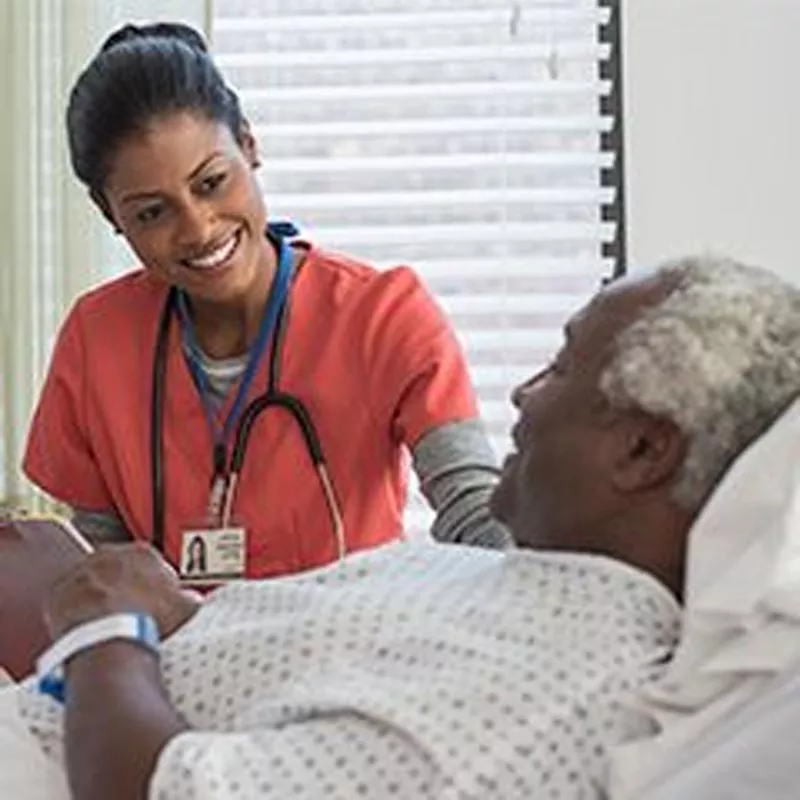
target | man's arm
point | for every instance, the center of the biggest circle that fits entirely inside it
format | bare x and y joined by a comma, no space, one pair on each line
333,754
34,554
126,741
118,720
100,527
118,716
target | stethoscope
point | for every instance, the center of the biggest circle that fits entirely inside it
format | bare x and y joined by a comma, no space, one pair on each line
226,476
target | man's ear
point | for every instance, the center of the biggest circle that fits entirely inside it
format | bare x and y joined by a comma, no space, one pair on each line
249,145
651,452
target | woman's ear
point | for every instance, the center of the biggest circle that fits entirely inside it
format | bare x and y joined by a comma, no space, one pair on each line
651,453
249,145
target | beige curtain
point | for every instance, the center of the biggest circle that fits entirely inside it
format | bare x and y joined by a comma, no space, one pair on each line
52,243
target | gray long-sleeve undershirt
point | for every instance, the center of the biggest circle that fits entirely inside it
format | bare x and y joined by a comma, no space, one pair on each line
456,470
455,464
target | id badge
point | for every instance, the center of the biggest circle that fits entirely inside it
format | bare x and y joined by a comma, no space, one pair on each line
210,556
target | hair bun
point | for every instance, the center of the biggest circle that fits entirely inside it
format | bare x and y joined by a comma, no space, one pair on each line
141,73
157,30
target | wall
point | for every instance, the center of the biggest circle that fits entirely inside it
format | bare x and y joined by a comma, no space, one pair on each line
712,102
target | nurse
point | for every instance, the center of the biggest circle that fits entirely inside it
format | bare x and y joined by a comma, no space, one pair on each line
239,389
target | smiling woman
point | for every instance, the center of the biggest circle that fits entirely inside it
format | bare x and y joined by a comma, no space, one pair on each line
157,376
184,193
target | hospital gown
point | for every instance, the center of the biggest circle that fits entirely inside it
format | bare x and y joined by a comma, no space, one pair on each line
414,671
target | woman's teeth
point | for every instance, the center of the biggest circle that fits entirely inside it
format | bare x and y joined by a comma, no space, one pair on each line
217,257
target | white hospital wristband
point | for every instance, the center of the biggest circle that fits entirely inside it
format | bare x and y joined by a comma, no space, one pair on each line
139,628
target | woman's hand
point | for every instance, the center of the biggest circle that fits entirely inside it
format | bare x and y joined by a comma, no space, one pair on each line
119,578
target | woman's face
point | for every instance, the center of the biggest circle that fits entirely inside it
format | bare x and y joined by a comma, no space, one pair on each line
185,195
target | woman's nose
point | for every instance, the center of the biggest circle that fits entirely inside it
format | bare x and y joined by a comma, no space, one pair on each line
195,226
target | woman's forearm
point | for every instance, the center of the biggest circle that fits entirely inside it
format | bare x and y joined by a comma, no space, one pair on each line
118,719
458,471
100,527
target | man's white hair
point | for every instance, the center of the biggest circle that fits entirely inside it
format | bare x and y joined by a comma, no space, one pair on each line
719,357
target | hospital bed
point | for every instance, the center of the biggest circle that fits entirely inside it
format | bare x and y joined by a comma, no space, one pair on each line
728,706
753,755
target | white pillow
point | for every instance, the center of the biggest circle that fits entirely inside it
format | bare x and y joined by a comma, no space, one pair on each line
741,626
743,562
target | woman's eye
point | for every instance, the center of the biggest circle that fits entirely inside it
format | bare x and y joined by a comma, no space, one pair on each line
149,214
210,183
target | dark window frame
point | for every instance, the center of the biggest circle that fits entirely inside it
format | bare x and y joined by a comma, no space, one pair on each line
614,140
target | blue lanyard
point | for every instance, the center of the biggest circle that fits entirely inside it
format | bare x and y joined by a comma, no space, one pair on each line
275,304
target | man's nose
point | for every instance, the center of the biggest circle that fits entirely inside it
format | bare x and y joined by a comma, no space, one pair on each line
520,393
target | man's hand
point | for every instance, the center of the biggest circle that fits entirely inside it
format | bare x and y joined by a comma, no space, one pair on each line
131,577
118,714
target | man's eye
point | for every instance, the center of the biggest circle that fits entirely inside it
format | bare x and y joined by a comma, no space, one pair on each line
557,364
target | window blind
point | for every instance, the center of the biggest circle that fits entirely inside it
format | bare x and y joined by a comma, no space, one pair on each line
474,140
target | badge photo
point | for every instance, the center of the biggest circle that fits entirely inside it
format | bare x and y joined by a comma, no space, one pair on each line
213,555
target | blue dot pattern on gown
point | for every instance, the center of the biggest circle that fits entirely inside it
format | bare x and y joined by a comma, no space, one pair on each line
413,671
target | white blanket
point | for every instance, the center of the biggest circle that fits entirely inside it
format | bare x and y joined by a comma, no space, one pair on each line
753,755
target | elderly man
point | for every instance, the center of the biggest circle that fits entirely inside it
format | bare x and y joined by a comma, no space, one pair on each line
448,672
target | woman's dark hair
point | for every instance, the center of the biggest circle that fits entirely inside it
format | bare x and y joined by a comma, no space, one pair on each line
142,72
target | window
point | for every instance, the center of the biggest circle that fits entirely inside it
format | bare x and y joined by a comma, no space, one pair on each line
476,140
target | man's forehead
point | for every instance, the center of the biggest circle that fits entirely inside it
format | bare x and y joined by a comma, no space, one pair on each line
617,305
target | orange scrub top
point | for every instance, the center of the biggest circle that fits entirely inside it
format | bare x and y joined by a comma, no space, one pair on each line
369,353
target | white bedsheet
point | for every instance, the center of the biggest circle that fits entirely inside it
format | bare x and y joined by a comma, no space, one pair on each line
753,755
26,773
